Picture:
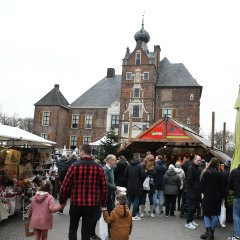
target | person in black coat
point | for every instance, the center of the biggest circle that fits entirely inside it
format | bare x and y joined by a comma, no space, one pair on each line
213,189
234,185
119,170
193,190
158,197
171,186
135,175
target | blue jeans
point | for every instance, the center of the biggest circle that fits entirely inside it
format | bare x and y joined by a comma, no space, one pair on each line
144,196
211,222
134,200
236,216
158,198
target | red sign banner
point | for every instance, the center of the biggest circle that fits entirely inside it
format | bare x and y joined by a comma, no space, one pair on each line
172,132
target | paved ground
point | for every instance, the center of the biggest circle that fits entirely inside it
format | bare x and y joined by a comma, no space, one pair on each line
146,229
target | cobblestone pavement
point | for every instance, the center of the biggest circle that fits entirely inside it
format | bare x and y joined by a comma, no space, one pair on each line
147,229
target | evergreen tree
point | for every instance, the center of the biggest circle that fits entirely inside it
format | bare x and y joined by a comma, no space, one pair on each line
109,145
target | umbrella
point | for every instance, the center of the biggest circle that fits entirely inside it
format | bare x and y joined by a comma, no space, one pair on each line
236,155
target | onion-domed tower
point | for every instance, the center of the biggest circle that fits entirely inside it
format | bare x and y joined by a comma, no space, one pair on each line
139,71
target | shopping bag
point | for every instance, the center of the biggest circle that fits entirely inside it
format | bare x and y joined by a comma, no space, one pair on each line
103,229
29,231
146,184
222,217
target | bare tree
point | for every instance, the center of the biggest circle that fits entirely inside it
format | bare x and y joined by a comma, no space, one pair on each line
15,121
229,141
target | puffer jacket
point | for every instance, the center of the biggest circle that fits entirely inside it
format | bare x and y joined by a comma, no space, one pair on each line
160,171
181,175
234,182
171,183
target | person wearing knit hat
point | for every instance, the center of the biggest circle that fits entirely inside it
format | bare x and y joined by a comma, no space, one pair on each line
171,186
181,174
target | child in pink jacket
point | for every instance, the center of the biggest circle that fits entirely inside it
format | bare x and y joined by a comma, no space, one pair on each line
40,211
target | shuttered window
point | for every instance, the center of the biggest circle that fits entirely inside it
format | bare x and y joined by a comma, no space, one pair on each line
46,118
75,120
73,142
88,121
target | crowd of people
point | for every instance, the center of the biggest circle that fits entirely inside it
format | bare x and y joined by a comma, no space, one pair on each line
119,190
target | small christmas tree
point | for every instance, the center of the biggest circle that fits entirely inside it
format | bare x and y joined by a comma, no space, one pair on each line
109,145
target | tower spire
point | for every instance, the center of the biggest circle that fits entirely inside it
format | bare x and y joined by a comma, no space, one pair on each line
143,20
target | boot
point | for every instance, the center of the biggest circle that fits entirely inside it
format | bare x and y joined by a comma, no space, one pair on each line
207,234
212,234
151,210
142,210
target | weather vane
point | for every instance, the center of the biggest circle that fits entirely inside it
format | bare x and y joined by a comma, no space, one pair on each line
143,18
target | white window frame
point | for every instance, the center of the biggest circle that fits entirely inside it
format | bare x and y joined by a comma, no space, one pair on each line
134,96
75,123
44,117
191,97
127,78
89,139
74,141
167,109
116,121
88,125
138,111
43,135
127,125
147,76
136,58
188,120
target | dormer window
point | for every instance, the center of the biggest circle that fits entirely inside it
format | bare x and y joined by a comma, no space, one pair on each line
128,76
138,59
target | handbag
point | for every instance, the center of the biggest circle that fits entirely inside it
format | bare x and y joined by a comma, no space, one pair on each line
103,229
222,217
28,231
146,184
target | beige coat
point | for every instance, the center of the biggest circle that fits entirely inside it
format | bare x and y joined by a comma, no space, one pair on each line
121,227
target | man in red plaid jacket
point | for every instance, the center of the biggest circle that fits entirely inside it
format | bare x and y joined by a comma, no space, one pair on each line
86,183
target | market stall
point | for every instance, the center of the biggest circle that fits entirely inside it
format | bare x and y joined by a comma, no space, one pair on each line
171,135
23,158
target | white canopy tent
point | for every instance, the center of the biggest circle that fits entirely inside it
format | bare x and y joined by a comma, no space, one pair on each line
98,142
18,137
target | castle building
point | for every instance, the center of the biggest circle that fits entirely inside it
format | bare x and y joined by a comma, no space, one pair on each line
148,89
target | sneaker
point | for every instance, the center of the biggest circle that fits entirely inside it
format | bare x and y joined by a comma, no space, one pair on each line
195,224
136,218
142,215
166,215
190,226
152,215
223,225
234,238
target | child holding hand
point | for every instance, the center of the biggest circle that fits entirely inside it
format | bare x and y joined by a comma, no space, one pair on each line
40,211
120,219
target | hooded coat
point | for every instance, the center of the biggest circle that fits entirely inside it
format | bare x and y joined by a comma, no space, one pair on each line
160,171
171,182
121,226
41,209
119,171
135,175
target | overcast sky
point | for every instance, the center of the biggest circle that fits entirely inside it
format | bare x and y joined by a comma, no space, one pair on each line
72,43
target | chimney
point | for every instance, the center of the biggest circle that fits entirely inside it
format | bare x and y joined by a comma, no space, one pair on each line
56,86
110,73
157,50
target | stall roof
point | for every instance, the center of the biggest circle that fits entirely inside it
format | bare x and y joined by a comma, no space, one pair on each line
17,136
173,132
